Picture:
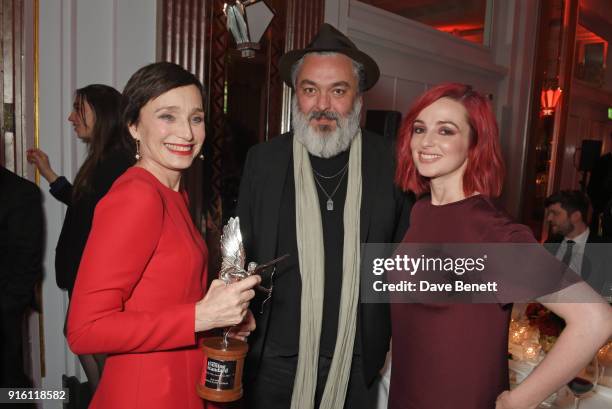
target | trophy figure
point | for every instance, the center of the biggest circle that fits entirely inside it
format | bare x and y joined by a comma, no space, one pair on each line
221,379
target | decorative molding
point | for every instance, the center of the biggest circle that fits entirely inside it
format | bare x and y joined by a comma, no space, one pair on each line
566,76
336,13
36,83
587,93
382,28
36,130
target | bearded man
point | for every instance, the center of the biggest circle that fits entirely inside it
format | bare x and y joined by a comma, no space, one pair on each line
316,194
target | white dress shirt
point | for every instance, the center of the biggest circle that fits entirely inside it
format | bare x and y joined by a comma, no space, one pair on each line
577,251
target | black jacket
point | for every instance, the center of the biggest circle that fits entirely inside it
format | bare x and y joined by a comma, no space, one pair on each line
384,219
79,215
596,267
21,236
600,183
600,193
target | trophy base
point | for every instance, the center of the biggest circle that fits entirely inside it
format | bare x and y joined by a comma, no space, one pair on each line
221,379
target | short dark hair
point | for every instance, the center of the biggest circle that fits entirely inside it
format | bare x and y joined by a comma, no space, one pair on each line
571,201
148,83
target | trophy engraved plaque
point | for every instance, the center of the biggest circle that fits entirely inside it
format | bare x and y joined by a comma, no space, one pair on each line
221,379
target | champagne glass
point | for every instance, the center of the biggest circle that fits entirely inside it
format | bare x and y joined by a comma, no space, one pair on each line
583,384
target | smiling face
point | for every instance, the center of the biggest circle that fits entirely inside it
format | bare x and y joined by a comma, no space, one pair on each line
326,89
326,106
440,142
82,118
171,132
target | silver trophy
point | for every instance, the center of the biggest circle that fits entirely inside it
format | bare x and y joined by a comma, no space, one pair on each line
221,379
232,253
234,258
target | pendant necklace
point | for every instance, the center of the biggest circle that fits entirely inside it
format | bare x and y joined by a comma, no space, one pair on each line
330,201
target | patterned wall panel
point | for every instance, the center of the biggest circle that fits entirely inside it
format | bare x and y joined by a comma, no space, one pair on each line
274,48
12,73
216,86
302,22
183,35
193,33
304,19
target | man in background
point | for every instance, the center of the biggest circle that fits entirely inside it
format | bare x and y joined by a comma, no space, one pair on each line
600,192
573,242
21,248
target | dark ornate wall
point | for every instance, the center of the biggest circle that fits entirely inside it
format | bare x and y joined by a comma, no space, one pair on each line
243,96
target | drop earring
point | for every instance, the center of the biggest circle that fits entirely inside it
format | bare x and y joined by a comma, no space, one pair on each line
137,156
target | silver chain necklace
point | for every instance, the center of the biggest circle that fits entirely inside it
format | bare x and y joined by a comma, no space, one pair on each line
330,201
332,176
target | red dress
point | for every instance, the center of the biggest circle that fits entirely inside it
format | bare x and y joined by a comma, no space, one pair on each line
143,269
452,356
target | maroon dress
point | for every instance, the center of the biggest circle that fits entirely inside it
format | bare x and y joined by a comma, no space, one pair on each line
453,356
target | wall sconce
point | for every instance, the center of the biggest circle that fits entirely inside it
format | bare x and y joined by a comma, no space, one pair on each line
248,20
549,100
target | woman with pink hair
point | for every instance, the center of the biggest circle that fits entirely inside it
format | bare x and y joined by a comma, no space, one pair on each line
455,355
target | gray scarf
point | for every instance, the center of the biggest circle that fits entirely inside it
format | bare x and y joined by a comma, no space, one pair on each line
311,256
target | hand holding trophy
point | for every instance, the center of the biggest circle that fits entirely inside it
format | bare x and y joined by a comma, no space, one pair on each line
221,379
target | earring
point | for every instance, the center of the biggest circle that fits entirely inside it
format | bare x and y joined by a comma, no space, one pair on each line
137,156
201,156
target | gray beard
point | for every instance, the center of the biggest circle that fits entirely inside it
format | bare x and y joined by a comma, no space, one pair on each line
325,143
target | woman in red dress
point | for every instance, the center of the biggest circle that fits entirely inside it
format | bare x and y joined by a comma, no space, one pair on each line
455,355
139,294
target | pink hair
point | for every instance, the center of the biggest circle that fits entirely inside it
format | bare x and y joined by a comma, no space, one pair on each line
485,167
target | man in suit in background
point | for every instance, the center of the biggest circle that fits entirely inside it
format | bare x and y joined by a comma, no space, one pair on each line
316,194
573,242
600,193
21,248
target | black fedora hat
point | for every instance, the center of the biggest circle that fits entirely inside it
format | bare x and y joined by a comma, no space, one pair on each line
330,39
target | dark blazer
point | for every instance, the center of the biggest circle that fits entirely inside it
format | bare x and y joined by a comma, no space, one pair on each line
21,236
596,262
79,215
21,248
384,219
600,193
600,183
